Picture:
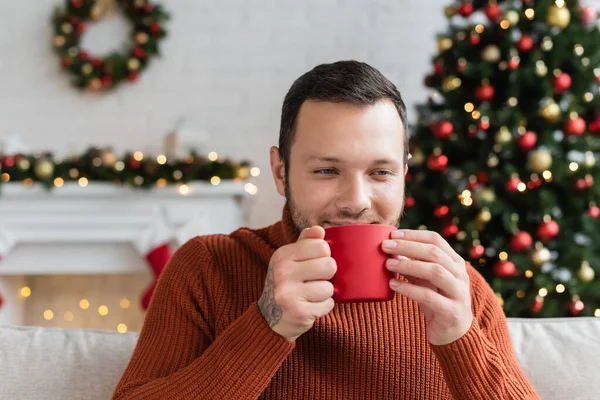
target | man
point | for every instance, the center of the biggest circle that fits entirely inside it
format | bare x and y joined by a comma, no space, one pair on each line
250,315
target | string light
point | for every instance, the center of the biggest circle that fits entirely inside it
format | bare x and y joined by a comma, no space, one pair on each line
255,171
25,291
83,182
503,256
5,177
59,182
250,188
184,189
124,303
597,313
138,156
162,159
84,304
529,273
215,180
103,310
530,13
543,292
122,328
48,315
560,288
573,166
213,156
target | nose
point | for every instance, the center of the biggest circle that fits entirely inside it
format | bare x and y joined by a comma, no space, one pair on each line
354,195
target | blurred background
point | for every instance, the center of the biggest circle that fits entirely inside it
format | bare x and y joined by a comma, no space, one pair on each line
79,113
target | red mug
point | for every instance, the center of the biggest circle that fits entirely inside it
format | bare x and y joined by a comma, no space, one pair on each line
361,272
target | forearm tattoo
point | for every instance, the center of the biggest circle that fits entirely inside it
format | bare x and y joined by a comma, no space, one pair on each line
267,305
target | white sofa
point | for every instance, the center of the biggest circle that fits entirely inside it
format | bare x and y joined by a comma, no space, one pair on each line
560,356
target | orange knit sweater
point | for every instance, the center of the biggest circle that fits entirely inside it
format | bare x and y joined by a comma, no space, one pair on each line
204,338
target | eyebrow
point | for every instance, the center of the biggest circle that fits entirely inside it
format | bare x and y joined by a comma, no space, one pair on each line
381,161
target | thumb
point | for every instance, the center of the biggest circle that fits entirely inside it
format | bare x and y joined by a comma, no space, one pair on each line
314,232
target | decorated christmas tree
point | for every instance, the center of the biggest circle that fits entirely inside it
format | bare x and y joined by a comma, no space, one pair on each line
505,151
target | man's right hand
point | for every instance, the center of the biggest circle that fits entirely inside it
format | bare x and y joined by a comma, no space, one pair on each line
297,289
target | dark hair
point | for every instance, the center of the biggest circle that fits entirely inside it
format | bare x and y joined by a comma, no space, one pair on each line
350,82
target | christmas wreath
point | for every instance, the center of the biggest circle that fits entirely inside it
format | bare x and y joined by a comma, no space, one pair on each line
103,73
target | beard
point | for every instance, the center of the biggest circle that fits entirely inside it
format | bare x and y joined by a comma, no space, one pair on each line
301,221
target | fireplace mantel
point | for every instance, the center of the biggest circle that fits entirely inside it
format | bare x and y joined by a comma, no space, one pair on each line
98,229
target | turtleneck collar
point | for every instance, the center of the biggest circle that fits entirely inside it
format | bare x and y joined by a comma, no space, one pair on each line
283,233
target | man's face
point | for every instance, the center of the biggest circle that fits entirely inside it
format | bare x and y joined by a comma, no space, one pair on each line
346,165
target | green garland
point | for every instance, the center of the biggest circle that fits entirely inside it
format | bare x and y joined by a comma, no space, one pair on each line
133,169
101,74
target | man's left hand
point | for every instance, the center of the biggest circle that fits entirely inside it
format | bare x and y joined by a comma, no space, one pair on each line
437,281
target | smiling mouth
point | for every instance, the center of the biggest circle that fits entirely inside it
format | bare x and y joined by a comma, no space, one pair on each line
342,223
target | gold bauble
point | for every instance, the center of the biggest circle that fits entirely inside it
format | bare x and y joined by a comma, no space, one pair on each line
585,272
67,28
512,17
87,69
558,16
23,164
485,196
418,157
96,84
503,136
133,64
540,256
484,216
551,112
590,159
450,11
43,169
444,44
539,161
141,38
109,159
451,83
491,53
59,41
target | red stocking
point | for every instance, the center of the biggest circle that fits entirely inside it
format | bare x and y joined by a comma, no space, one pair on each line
158,258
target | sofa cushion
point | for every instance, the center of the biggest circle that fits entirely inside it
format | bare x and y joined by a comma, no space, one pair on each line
50,363
561,356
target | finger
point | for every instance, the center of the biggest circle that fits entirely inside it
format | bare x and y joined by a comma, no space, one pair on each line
314,232
316,291
421,251
319,269
307,249
424,236
320,309
426,297
436,275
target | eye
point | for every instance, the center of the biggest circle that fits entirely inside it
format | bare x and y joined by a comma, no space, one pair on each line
325,171
382,173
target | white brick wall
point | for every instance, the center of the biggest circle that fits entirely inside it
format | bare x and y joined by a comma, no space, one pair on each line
227,66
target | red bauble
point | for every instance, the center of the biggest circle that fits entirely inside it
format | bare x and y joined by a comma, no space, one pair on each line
576,307
409,202
548,230
77,3
525,44
466,9
484,124
493,12
148,8
505,269
441,211
527,141
513,185
594,212
74,20
84,55
537,305
8,162
133,163
588,15
437,163
81,28
442,129
474,39
513,63
484,92
96,62
132,77
449,230
154,27
595,124
106,81
581,184
575,126
476,252
66,62
562,83
520,242
139,52
427,80
482,177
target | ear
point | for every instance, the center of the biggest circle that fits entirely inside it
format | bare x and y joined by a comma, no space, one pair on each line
405,169
278,170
